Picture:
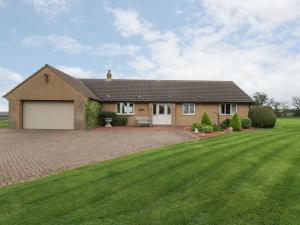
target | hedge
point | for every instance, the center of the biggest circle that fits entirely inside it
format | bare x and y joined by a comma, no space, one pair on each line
117,120
246,123
262,116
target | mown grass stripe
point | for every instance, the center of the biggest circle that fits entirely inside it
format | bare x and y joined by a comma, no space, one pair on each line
183,167
241,178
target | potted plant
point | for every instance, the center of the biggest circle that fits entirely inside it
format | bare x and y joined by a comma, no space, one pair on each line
108,122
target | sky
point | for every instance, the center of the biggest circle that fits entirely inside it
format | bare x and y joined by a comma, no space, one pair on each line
255,43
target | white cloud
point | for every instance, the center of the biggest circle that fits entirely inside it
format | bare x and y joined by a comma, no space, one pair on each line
129,23
71,45
115,50
33,41
8,80
77,72
216,51
142,64
64,43
10,75
265,13
67,44
50,8
2,3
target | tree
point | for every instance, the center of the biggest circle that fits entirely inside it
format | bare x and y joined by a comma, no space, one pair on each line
206,119
276,106
296,105
236,123
260,98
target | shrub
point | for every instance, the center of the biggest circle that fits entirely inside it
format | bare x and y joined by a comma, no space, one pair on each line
207,128
117,120
203,127
246,123
226,123
236,123
195,125
217,127
105,114
262,116
206,120
92,109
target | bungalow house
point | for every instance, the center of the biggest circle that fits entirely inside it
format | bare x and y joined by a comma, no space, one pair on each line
52,99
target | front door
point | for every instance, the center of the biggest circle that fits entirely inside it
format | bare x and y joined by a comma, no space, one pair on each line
162,114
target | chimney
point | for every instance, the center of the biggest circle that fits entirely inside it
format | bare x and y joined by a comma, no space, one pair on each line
108,75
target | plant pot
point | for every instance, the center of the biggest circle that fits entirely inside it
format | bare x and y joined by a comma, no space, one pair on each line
108,122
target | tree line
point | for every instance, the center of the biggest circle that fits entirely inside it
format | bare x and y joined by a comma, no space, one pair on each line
282,109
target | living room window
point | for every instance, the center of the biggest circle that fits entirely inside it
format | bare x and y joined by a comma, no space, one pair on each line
188,108
228,108
126,108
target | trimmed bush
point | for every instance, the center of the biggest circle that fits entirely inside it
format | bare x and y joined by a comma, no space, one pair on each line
117,120
92,109
236,123
206,120
207,129
262,116
217,127
225,123
246,123
203,127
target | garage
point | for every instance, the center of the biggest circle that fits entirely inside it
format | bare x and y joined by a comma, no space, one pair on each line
48,115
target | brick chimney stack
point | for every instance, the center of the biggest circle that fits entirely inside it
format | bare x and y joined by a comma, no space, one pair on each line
108,75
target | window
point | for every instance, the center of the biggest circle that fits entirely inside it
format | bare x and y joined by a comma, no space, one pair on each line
125,108
188,109
161,109
228,109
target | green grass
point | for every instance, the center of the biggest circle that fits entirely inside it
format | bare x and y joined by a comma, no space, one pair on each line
3,123
240,178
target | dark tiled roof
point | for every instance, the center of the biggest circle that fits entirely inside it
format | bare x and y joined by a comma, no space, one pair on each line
77,83
166,90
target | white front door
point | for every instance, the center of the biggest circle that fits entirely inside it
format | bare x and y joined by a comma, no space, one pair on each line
162,114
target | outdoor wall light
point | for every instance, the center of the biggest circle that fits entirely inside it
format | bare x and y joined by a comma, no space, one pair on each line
46,77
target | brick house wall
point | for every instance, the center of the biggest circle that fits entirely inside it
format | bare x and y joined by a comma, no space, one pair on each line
36,88
178,119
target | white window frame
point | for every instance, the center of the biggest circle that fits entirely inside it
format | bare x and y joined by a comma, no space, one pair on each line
120,106
189,114
231,110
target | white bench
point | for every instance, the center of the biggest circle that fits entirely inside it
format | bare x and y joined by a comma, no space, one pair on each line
142,121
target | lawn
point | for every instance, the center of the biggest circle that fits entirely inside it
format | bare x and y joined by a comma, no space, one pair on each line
3,123
240,178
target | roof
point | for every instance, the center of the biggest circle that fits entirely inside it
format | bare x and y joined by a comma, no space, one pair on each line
76,83
166,90
153,90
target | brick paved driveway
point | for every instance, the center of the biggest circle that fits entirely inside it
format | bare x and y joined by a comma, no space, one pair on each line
26,155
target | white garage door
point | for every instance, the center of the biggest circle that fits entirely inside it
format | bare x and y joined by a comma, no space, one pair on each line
48,115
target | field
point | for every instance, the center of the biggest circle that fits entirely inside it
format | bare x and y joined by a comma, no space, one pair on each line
240,178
